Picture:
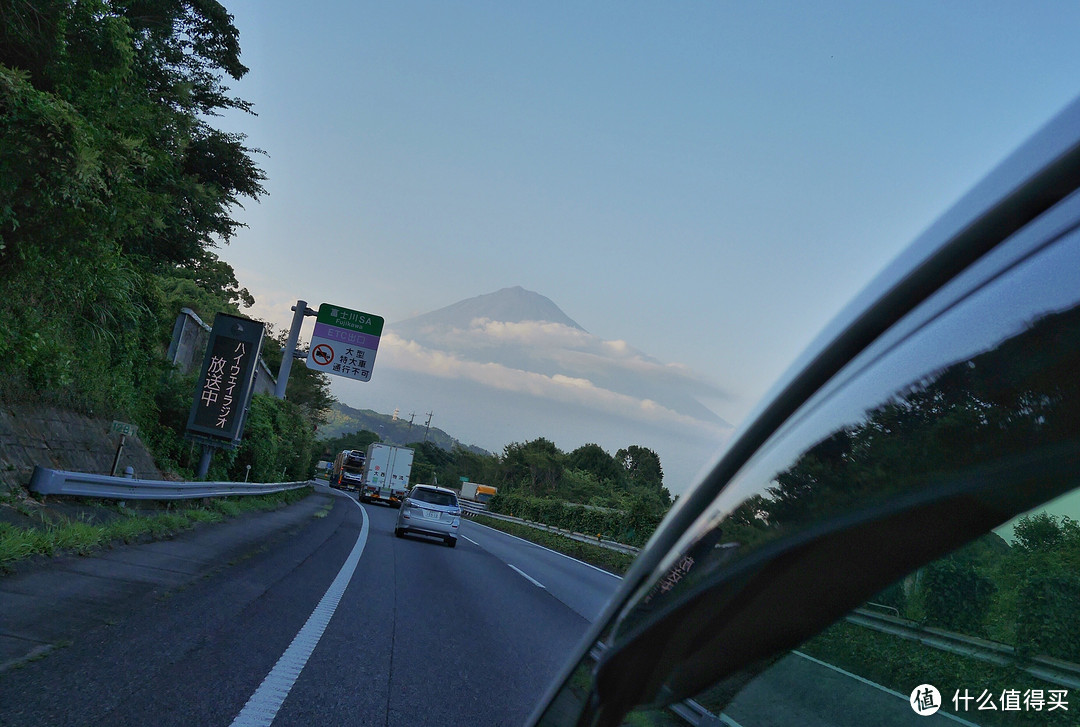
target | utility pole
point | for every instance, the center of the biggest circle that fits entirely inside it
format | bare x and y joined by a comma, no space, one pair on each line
427,426
411,415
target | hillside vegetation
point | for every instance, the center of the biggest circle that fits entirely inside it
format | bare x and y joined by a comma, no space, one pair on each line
115,188
341,420
115,191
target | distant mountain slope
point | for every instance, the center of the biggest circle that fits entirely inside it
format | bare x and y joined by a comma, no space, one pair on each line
527,341
344,419
511,366
509,305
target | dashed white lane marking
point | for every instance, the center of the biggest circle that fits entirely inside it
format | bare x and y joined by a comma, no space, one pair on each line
264,704
527,577
470,540
537,545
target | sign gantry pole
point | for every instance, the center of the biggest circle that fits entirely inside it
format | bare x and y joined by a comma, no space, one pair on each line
299,311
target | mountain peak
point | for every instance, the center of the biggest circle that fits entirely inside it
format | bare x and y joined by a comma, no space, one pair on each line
507,305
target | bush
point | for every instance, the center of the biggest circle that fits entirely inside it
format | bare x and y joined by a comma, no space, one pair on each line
632,526
1047,612
277,438
956,597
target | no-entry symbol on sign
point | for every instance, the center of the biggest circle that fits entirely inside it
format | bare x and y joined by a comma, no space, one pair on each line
323,354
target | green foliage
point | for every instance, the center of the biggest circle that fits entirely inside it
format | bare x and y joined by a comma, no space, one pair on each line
642,467
114,188
357,440
471,465
1045,533
592,459
207,285
392,429
86,331
1047,611
105,133
428,461
601,557
538,469
537,465
632,526
50,536
278,441
894,596
901,665
631,479
956,597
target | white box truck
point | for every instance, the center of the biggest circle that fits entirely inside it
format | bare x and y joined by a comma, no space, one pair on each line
477,492
386,474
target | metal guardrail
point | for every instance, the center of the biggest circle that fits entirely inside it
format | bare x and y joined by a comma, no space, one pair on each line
580,537
470,508
1052,670
694,714
79,484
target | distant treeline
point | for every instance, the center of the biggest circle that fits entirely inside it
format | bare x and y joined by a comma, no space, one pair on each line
630,480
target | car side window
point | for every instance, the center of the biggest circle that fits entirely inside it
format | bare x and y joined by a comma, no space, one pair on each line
989,634
922,503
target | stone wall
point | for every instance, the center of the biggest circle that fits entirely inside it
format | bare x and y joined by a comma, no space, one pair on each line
63,440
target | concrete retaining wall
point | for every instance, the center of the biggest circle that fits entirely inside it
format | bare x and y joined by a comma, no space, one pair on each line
60,439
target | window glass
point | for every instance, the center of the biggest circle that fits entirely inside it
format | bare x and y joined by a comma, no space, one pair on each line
890,509
989,634
434,497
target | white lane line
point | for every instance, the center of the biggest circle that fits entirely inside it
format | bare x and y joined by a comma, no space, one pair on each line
264,704
470,540
537,545
527,577
858,678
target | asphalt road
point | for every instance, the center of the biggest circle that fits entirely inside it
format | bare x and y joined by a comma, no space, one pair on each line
423,634
418,634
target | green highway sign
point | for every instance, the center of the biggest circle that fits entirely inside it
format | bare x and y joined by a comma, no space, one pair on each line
344,342
353,320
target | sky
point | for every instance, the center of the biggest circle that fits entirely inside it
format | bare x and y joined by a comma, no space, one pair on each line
704,184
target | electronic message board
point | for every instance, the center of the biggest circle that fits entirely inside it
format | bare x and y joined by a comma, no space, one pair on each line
228,373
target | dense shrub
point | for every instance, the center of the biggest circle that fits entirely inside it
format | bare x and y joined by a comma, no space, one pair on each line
1046,616
956,597
279,443
632,526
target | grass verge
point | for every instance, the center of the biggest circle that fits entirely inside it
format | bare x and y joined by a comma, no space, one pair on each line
901,665
51,536
609,560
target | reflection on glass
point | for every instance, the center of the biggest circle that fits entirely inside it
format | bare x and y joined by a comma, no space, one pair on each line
953,453
993,626
944,434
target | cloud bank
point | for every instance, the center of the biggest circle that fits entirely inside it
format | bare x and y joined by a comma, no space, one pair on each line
560,363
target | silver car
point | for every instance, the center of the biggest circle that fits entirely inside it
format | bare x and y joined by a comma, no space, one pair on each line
430,510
